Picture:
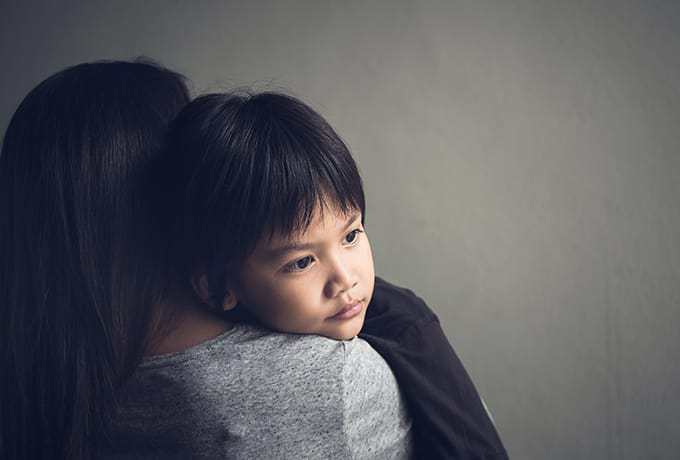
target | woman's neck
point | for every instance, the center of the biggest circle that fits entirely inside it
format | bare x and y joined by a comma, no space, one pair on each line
182,322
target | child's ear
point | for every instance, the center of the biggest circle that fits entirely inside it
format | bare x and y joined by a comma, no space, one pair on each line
200,285
230,300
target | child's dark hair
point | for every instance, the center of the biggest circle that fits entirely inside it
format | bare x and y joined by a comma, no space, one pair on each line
75,286
246,167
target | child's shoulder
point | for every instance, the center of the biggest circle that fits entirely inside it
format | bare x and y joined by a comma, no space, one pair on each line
394,307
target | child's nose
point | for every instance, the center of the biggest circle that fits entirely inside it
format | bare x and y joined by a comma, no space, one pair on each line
340,279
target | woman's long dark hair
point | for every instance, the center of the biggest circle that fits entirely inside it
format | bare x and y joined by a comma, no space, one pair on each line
241,167
75,284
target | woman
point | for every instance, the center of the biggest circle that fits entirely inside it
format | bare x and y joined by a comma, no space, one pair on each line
81,298
75,289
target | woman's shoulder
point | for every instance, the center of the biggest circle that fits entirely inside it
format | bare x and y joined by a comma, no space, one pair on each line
261,388
247,344
266,361
248,363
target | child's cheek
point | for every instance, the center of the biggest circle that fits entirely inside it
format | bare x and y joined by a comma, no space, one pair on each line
369,258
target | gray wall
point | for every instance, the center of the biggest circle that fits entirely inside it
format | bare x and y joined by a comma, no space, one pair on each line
522,166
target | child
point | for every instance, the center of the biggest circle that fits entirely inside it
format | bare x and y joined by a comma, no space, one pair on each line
272,231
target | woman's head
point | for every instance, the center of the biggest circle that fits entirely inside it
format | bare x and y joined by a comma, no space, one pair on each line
73,278
254,172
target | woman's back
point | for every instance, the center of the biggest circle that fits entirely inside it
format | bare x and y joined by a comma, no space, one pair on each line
75,279
251,393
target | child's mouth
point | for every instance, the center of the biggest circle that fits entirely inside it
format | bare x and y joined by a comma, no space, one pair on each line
349,311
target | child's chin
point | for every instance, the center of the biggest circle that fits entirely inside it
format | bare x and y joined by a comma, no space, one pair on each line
345,337
347,334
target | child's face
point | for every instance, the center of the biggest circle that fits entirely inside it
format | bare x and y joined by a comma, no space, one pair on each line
319,283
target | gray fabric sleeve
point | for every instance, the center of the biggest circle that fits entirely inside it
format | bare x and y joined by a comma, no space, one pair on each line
375,427
252,394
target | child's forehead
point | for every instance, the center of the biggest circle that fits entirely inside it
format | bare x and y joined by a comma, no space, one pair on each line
323,227
323,219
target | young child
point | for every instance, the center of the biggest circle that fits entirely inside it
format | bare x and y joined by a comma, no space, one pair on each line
272,231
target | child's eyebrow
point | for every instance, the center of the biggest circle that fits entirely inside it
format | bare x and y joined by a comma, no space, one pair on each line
278,252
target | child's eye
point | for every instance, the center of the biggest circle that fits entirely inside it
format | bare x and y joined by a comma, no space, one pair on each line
353,237
299,264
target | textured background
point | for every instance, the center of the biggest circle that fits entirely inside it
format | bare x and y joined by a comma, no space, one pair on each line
522,167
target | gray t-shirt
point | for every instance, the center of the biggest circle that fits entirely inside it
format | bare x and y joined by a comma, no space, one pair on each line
250,393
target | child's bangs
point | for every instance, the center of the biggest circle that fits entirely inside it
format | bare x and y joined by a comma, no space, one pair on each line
306,178
293,218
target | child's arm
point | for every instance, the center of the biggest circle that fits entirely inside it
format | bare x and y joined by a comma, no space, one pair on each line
449,419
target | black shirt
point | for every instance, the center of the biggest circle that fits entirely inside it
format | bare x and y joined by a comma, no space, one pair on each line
449,418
